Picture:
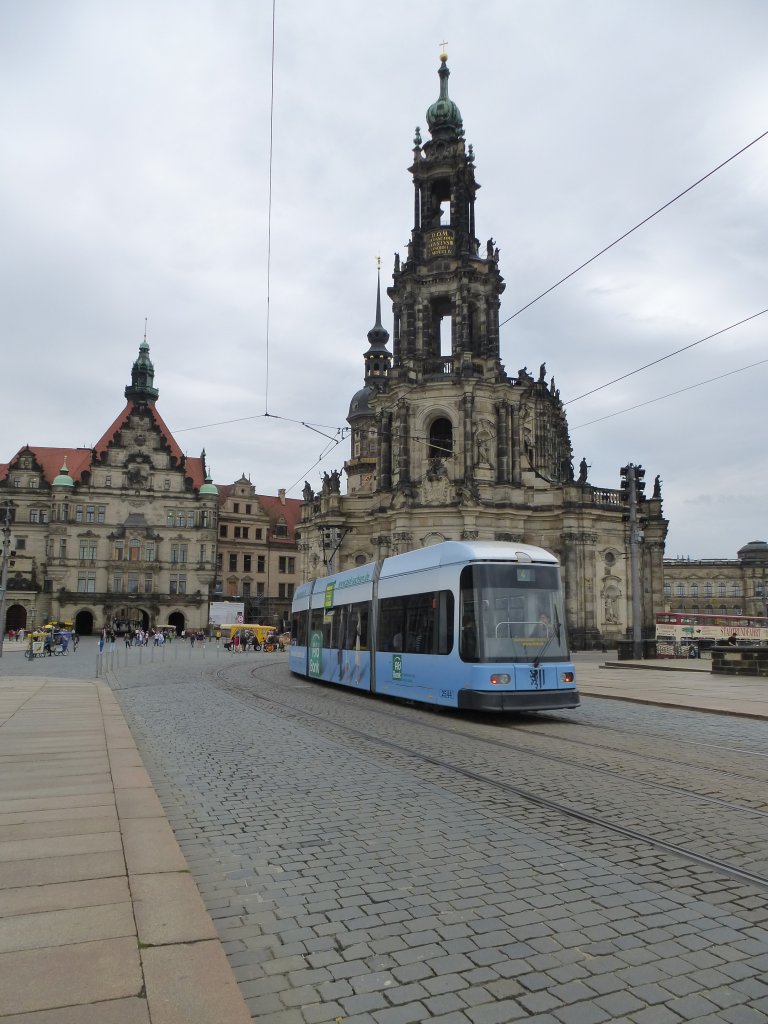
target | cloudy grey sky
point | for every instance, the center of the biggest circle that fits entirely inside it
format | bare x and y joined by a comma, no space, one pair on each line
134,182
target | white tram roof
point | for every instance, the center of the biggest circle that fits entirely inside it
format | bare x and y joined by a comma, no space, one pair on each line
450,552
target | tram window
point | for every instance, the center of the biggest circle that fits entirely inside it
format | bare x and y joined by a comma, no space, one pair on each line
299,628
357,627
417,623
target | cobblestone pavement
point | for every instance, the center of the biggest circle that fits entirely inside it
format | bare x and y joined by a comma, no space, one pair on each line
354,875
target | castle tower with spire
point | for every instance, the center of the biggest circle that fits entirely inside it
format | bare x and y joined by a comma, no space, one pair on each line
445,443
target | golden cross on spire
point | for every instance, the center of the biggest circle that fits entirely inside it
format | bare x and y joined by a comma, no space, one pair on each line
378,262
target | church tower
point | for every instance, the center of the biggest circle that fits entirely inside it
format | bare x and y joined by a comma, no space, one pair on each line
445,443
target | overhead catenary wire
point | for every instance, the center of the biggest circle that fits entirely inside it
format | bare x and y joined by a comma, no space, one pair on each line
269,207
669,355
631,230
671,394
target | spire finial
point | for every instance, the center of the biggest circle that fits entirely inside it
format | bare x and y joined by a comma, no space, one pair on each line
145,330
443,54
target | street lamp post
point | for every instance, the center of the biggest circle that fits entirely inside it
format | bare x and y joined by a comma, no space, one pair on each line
6,553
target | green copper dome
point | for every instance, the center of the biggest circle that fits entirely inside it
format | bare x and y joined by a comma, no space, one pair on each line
444,117
209,487
142,387
63,479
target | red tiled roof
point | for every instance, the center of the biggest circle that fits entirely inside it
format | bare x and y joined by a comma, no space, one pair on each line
288,508
51,460
193,467
195,470
109,434
79,460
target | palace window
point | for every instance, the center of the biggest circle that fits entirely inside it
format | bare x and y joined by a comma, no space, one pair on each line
178,583
260,563
694,590
233,563
148,583
117,583
735,590
707,590
133,583
101,514
87,551
118,555
680,590
63,548
246,563
721,589
286,565
149,551
86,583
134,551
90,513
667,586
222,531
178,552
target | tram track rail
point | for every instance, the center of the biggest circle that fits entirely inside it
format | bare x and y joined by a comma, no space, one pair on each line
519,748
685,853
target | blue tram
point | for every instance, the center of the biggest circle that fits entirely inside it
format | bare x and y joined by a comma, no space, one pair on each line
474,625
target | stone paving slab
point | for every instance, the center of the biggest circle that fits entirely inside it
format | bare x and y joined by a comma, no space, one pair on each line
192,983
63,896
96,899
65,927
86,972
168,909
116,1011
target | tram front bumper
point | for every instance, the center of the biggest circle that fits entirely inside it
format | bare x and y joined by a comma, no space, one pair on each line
515,700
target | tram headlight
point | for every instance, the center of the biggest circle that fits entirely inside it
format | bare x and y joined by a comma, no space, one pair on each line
566,677
501,679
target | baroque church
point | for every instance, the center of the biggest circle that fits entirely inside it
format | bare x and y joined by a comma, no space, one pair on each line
446,445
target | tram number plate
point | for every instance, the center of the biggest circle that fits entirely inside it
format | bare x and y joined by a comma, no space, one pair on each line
537,678
446,694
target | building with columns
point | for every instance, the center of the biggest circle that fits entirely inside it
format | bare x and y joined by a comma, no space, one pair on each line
446,444
719,586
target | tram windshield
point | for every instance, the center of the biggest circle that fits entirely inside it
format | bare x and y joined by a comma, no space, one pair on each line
512,612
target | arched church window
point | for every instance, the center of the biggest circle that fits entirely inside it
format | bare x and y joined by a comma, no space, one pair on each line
441,439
